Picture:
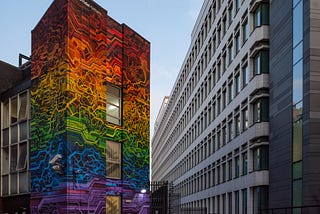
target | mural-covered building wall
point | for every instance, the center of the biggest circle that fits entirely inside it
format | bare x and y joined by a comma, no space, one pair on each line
90,101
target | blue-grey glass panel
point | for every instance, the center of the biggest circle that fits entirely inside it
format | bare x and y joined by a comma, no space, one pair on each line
297,82
295,2
298,52
297,193
297,132
297,24
297,170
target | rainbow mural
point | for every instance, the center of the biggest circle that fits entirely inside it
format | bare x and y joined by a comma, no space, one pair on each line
76,49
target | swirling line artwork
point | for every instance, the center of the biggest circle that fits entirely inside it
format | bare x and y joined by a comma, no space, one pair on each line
76,49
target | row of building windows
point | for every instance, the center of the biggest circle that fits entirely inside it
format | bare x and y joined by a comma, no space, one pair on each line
236,122
260,62
225,169
233,202
230,89
15,144
213,44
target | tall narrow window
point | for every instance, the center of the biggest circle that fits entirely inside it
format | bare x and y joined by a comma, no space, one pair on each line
244,163
261,110
261,63
245,75
260,158
113,104
244,119
236,166
113,160
261,15
113,205
245,31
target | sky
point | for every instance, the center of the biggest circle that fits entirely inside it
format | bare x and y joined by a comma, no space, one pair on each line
166,24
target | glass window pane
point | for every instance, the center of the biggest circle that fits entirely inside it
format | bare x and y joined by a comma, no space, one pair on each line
298,52
5,114
5,137
23,128
22,161
264,110
113,204
13,158
113,111
113,100
5,160
297,82
265,62
257,17
14,134
23,108
13,183
297,193
14,106
113,104
298,24
5,185
23,182
113,159
297,170
257,64
297,132
265,14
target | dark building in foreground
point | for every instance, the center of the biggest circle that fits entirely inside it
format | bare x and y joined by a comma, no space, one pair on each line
75,117
295,105
241,130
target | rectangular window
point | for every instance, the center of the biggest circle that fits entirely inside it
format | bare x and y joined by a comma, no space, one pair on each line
22,159
261,15
245,75
245,119
260,199
230,169
244,163
23,106
238,84
244,201
230,91
113,204
230,14
113,160
113,104
13,108
230,130
236,202
231,52
237,124
5,115
261,158
236,167
261,63
237,42
230,203
261,110
245,32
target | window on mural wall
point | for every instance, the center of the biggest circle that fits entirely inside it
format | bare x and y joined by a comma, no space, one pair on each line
113,160
113,104
113,204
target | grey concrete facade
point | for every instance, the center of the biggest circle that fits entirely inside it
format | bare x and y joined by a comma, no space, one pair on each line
208,139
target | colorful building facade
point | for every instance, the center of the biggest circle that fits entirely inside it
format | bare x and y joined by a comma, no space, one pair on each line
90,107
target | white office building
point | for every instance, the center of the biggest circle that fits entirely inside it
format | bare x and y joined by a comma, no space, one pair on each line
212,142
